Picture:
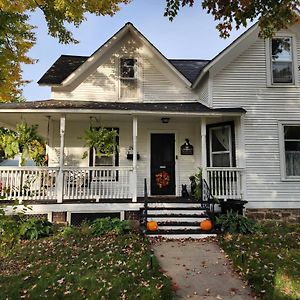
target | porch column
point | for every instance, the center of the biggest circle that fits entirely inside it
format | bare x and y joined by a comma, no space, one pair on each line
134,161
203,148
60,176
243,157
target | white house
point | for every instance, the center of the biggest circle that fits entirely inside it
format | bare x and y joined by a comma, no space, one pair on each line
237,117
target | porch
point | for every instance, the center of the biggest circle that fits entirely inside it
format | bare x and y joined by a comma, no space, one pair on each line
151,143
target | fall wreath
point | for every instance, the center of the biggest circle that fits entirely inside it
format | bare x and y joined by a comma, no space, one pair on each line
162,179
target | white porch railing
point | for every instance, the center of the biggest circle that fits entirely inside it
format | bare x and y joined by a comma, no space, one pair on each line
97,183
225,183
28,183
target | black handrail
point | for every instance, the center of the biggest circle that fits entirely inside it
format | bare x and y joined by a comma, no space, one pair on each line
144,210
208,200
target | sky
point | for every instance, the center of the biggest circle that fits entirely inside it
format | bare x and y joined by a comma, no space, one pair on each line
192,34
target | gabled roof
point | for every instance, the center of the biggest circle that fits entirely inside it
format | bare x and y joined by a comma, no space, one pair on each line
67,64
62,68
190,68
227,55
72,67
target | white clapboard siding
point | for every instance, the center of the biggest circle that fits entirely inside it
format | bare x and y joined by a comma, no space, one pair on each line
243,83
154,83
203,90
158,87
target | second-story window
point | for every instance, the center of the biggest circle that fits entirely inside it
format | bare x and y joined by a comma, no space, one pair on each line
282,60
128,78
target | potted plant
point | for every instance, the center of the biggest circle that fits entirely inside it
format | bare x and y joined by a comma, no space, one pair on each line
24,141
101,139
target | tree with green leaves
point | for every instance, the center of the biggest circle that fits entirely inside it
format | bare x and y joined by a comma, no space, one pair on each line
17,36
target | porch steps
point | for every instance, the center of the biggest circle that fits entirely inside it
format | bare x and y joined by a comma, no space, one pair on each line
177,220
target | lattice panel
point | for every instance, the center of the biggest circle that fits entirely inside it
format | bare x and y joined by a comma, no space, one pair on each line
78,218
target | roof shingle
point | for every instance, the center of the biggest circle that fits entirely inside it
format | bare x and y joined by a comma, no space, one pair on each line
187,107
67,64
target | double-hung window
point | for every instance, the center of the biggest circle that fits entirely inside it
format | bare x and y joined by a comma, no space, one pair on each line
292,150
105,160
128,78
282,66
221,145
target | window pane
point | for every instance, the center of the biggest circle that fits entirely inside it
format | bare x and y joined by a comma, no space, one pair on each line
292,146
128,68
292,132
220,139
104,161
221,160
128,88
282,72
281,49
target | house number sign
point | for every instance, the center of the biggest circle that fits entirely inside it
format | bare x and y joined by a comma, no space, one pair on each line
187,148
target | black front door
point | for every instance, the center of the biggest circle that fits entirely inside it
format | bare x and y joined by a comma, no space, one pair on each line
162,164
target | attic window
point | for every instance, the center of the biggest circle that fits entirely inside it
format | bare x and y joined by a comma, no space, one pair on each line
282,60
128,78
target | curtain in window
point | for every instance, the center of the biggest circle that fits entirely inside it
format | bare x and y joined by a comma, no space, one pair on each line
292,161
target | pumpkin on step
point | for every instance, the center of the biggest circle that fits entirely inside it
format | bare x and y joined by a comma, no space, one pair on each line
206,225
152,226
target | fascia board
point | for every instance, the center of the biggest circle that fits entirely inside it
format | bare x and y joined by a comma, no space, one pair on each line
160,56
105,48
229,53
119,112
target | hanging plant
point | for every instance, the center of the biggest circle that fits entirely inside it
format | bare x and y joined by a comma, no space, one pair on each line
24,141
103,140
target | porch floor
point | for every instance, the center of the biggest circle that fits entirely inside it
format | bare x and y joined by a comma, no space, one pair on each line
127,200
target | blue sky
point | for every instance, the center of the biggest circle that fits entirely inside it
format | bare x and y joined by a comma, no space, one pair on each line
192,34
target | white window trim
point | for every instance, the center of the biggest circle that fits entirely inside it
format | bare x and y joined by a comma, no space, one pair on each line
268,49
281,125
220,152
104,155
136,77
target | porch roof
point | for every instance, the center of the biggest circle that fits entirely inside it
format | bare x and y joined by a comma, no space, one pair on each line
65,106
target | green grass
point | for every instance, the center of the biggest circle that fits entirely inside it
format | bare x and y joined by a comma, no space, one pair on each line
82,267
269,260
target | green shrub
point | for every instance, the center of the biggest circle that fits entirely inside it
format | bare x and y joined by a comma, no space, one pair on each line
232,222
9,234
33,229
102,226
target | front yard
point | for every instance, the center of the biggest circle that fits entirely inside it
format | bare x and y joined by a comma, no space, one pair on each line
83,267
269,259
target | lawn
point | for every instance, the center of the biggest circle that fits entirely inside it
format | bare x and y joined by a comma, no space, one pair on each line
83,267
269,259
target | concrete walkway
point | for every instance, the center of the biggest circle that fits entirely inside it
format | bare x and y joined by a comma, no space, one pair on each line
199,270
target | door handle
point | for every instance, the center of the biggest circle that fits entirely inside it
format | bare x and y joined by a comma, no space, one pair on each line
162,167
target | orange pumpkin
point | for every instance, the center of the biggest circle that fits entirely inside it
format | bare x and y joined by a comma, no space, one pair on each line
152,226
206,225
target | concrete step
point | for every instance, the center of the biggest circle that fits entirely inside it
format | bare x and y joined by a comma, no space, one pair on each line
174,205
180,233
179,227
171,211
183,236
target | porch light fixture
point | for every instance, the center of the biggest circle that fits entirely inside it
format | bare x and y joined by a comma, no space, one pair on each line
165,120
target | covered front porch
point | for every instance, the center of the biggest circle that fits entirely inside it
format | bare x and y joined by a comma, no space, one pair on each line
162,144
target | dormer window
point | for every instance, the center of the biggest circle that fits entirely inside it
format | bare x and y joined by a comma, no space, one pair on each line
282,67
128,78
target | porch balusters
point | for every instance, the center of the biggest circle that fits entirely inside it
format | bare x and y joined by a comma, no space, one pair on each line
225,183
